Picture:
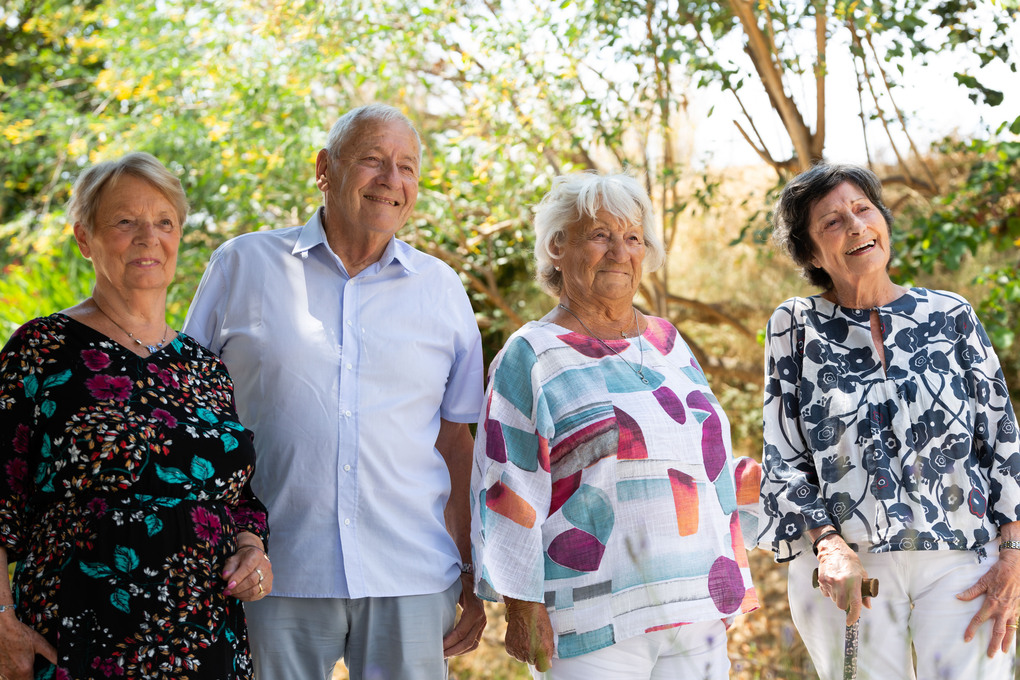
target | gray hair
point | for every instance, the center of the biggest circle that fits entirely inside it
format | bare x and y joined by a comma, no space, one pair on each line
351,121
792,212
88,188
580,196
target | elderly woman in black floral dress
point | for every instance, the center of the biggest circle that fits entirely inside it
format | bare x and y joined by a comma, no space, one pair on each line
891,451
124,495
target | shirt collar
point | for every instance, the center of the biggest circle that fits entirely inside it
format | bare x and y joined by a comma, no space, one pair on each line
314,234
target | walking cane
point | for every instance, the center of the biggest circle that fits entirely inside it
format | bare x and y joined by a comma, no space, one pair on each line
869,588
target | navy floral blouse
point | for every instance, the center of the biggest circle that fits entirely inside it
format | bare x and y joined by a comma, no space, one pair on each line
921,455
123,483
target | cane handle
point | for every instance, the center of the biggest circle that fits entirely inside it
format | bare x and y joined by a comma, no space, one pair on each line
869,586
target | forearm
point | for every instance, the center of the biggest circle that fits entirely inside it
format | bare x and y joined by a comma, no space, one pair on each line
6,594
456,446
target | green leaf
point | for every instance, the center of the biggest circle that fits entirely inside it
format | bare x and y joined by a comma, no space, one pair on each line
125,559
172,475
95,569
31,386
202,469
121,600
58,379
153,525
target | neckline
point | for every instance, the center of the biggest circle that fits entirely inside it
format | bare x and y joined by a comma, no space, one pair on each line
612,340
907,292
98,333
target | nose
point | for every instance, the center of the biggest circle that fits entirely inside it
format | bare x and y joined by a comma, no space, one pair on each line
856,224
145,231
389,174
617,249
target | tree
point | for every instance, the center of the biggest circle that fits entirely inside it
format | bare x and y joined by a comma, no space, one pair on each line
236,96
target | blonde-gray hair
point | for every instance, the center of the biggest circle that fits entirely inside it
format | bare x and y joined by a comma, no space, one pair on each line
578,197
88,188
351,121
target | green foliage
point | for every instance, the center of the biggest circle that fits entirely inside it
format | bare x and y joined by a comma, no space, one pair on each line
982,209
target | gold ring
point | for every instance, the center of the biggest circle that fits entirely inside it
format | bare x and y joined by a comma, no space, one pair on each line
1011,625
261,591
259,572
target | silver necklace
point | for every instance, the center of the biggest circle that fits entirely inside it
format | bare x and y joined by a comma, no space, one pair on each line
640,371
151,348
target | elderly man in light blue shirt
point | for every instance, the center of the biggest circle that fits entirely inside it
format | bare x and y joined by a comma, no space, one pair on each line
357,362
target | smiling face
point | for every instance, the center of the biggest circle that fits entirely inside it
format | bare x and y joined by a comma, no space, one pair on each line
373,186
850,237
601,259
133,243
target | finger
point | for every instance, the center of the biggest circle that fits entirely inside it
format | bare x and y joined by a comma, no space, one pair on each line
853,612
44,648
866,602
233,562
972,627
458,641
542,662
972,592
997,638
1009,639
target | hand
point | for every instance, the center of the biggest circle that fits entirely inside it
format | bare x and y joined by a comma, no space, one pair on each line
466,635
18,646
840,574
1001,586
529,633
248,573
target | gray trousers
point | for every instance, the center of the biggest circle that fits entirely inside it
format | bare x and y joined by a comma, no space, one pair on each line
378,638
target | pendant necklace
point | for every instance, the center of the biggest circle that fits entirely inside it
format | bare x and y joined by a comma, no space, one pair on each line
151,348
640,371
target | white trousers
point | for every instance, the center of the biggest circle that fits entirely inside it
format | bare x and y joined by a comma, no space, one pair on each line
916,607
696,651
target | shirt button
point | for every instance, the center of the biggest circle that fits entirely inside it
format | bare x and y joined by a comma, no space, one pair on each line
350,366
347,468
347,413
350,323
347,522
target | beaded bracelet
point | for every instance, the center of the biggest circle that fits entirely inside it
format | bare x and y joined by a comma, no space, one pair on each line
5,607
823,535
1009,545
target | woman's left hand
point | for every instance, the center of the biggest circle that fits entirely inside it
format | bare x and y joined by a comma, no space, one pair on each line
248,572
1001,586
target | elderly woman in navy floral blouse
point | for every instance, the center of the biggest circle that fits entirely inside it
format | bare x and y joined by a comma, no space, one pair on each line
891,451
124,474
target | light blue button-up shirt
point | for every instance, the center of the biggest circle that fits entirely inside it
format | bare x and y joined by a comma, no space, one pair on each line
344,381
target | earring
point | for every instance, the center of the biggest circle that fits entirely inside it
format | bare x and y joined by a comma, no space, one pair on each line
557,268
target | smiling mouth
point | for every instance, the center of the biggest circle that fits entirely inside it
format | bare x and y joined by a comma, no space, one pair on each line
385,201
862,247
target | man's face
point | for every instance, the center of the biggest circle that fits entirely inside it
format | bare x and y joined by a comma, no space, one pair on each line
373,185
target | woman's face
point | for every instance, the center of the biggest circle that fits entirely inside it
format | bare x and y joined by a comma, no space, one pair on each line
133,243
849,236
601,259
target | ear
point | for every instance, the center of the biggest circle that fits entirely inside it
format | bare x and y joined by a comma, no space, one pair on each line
321,165
82,238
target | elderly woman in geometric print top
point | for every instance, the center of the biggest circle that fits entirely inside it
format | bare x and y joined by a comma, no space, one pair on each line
604,493
891,451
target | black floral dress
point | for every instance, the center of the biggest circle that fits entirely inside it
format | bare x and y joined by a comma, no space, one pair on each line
124,481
